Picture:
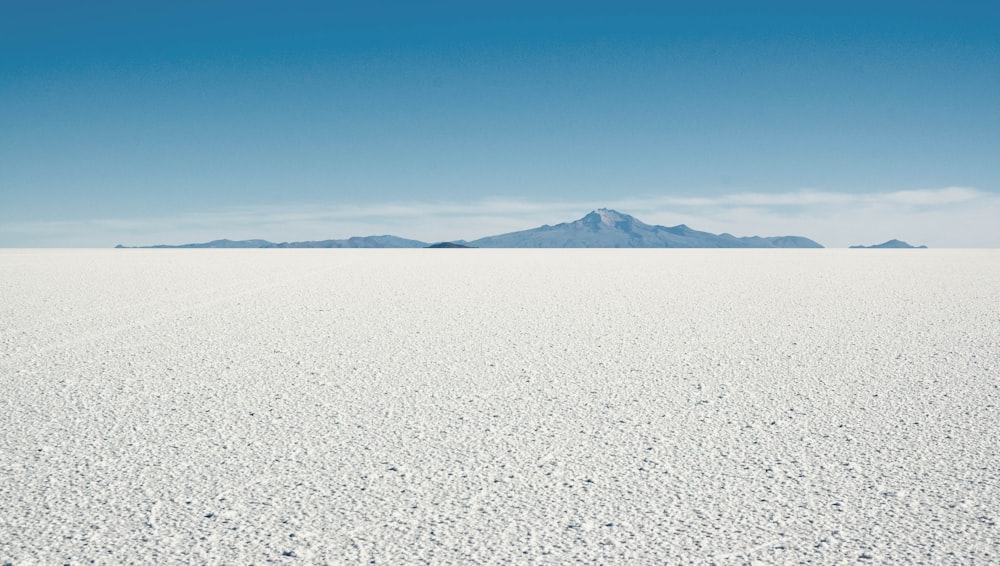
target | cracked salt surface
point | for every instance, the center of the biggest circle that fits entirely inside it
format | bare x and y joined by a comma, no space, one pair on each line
491,406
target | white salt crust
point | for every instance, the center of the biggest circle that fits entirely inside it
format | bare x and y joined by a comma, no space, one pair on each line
499,406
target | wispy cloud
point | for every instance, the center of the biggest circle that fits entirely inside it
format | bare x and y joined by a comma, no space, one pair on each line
952,216
950,195
806,197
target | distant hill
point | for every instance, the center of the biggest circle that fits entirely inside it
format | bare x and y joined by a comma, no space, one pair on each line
355,242
360,242
604,228
890,244
448,245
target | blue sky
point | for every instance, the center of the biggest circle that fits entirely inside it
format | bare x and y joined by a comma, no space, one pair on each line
190,121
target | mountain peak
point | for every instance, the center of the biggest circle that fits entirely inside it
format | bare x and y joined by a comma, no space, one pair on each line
606,217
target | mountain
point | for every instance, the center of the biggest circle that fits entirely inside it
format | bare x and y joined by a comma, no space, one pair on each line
446,245
224,244
604,228
355,242
890,244
360,242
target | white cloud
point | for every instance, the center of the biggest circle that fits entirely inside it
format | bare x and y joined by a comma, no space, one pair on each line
947,217
808,197
950,195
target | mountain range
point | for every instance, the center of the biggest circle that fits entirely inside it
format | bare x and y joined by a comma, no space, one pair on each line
602,228
355,242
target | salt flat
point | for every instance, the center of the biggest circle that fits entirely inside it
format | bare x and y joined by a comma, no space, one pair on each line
499,406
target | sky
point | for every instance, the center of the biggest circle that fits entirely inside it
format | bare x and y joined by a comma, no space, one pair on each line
173,122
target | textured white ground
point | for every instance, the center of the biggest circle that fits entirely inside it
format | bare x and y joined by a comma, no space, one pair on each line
499,406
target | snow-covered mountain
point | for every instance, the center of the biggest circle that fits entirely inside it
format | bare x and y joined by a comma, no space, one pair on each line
604,228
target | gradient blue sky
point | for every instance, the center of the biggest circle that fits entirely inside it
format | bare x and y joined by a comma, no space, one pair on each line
122,122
